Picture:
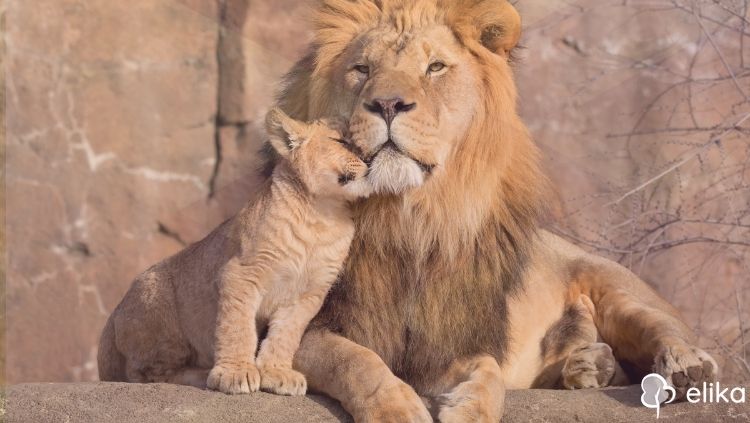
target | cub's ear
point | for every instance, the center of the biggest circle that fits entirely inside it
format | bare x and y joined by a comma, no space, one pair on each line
499,25
284,133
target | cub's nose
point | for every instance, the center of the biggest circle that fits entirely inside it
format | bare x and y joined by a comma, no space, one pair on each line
352,171
388,109
359,168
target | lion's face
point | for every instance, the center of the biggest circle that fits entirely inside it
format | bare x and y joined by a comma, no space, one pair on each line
412,96
415,78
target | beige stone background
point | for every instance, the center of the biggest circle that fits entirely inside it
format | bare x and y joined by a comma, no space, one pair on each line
132,130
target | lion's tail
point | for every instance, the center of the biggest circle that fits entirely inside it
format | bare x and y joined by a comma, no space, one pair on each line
111,362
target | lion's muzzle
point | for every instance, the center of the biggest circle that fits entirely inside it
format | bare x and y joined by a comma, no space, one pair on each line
389,109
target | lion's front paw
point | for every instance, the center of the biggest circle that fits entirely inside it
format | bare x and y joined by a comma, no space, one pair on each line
234,379
470,404
282,381
685,367
591,366
396,404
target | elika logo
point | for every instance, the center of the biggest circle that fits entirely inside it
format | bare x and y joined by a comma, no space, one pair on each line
656,391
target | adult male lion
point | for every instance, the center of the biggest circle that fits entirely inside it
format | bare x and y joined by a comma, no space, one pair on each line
451,290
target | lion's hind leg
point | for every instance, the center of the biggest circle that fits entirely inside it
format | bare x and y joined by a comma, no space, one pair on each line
574,355
189,376
685,366
167,360
592,366
642,328
149,336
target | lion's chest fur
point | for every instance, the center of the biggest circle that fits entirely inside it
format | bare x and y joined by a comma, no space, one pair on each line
419,315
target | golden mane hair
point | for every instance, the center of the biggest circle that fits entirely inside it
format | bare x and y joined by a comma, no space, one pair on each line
495,172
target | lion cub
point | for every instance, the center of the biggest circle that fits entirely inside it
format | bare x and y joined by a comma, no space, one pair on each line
289,248
269,266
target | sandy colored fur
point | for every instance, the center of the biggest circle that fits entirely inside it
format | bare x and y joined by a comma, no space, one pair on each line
270,266
450,270
451,290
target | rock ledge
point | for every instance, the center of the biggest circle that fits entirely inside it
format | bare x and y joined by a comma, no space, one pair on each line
157,403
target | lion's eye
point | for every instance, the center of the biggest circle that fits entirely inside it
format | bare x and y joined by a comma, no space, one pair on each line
363,69
436,67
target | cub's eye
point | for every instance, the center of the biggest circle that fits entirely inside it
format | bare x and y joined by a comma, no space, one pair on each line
363,69
346,177
436,67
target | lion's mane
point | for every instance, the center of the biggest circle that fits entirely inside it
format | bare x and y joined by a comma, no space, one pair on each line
430,272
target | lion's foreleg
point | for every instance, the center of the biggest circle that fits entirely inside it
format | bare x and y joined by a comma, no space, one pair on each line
473,391
358,378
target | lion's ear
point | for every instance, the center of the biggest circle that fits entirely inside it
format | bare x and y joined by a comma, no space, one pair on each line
284,133
499,25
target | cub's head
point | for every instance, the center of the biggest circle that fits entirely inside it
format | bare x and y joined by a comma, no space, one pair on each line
321,154
418,78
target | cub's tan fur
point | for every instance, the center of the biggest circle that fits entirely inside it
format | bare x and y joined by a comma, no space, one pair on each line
269,266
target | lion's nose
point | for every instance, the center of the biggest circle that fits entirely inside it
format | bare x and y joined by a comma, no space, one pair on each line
389,108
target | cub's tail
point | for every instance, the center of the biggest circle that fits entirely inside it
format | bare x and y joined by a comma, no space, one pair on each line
111,361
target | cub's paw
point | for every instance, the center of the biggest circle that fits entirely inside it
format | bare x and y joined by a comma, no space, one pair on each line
590,366
685,367
282,381
395,404
234,379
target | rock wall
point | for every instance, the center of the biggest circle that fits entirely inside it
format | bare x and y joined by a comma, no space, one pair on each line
133,129
111,111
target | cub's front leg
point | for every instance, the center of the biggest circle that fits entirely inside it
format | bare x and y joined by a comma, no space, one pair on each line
236,338
285,330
